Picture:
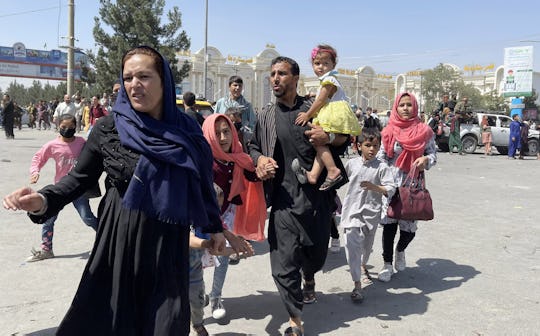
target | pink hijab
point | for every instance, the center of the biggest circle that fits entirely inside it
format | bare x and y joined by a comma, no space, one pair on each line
241,160
412,134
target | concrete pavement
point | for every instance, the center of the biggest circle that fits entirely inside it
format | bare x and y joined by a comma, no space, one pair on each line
474,270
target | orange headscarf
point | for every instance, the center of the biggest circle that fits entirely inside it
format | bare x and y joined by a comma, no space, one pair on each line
411,133
241,160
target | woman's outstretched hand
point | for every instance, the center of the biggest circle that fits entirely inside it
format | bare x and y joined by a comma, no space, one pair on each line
23,199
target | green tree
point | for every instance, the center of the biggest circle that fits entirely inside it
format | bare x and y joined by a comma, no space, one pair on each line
492,101
17,93
438,81
133,23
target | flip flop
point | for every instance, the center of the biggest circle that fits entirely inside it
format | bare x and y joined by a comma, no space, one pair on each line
329,183
299,171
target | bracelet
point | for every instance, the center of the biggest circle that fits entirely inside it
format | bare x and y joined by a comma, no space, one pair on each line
331,138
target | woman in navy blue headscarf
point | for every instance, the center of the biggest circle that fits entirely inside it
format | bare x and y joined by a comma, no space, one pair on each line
159,182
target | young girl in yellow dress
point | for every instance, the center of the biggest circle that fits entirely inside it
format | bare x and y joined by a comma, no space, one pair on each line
332,112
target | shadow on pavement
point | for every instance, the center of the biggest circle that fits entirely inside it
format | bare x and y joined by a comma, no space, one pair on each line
406,294
83,255
44,332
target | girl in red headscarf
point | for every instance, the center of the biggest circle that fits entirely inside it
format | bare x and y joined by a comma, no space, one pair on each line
406,142
232,169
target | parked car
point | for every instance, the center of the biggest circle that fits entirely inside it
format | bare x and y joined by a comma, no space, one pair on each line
202,106
471,134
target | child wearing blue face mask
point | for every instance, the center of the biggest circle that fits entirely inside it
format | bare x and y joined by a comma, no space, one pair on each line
64,150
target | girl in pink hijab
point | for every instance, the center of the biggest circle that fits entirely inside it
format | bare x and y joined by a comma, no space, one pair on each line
232,169
406,142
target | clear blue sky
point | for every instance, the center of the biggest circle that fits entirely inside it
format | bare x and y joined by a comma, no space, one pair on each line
392,37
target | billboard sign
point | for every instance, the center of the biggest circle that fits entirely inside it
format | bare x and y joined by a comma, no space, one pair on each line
518,71
17,61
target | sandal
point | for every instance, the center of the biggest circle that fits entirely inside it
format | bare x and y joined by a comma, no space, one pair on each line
357,296
299,171
293,331
309,293
366,278
330,183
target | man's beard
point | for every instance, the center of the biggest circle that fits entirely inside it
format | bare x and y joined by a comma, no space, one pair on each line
279,94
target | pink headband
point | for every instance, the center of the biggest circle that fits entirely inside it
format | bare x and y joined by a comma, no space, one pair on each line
318,50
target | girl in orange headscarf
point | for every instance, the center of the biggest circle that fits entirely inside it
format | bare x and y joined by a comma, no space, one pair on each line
406,142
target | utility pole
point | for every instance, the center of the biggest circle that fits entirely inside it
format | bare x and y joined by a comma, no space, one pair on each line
71,47
205,71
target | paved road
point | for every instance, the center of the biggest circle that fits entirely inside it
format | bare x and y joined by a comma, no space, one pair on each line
474,270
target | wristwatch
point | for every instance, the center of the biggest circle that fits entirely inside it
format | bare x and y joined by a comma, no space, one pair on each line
331,137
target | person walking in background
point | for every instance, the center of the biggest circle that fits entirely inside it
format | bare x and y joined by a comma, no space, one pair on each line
96,111
43,115
236,99
65,107
514,139
370,121
64,150
524,137
406,143
455,137
159,182
486,134
331,111
189,107
370,180
8,116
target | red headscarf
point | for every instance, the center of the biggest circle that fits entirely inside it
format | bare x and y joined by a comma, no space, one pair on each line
411,133
241,160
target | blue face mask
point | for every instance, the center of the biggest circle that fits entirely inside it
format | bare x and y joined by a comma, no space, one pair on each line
67,132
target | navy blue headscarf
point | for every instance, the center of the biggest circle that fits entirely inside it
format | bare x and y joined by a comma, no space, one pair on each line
173,180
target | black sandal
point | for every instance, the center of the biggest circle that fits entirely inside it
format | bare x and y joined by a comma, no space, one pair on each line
293,331
309,293
357,296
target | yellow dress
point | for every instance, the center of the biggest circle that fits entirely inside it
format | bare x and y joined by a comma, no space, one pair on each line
336,116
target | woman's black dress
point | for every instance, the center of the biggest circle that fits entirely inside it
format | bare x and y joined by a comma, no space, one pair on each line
136,279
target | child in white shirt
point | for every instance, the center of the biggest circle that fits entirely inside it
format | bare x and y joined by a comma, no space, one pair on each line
370,179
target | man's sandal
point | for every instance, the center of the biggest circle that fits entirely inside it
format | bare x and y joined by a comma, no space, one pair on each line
309,293
293,331
329,183
357,296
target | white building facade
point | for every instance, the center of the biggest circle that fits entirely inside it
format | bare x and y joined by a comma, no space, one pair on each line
364,86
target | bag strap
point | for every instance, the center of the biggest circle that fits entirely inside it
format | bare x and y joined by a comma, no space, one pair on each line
415,178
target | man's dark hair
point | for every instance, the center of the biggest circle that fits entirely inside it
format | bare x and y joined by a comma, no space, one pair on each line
369,134
295,69
236,79
189,99
235,111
